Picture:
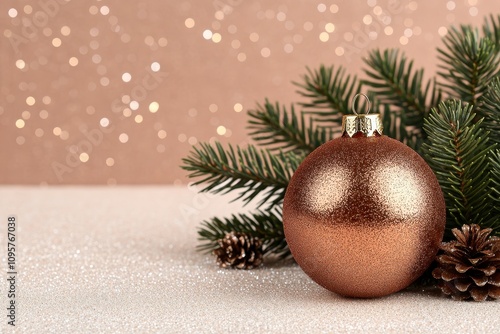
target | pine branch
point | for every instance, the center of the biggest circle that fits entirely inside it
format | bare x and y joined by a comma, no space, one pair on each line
330,93
468,64
249,171
394,82
491,30
282,130
457,150
495,189
268,227
490,110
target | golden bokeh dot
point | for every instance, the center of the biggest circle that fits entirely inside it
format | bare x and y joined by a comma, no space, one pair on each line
154,106
219,15
235,44
189,23
207,34
163,42
104,122
238,107
242,57
84,157
330,27
93,10
126,99
388,30
213,108
46,100
403,40
138,119
110,162
26,115
162,134
126,77
30,100
324,37
28,9
56,42
20,64
104,81
123,138
216,38
73,61
265,52
12,12
65,30
308,26
127,112
254,37
221,130
57,131
339,51
20,123
134,105
104,10
334,9
442,31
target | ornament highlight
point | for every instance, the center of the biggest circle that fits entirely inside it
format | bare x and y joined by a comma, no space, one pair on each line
364,214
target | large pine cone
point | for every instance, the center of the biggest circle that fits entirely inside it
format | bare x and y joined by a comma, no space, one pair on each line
470,265
240,251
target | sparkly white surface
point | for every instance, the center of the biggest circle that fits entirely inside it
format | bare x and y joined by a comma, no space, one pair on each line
122,260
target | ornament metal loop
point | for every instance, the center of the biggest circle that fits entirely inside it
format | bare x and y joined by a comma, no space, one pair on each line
354,103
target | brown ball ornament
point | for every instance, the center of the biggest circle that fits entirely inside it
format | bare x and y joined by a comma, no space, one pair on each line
364,214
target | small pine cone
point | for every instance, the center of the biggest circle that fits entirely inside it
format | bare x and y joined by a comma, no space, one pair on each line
240,251
470,265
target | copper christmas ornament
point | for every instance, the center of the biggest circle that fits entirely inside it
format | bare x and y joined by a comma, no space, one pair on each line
364,214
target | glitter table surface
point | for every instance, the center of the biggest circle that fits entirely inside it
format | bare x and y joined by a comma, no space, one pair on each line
123,260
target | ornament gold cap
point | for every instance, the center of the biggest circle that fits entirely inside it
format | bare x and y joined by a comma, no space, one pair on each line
362,125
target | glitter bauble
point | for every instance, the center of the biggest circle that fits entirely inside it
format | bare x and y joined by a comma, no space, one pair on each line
364,215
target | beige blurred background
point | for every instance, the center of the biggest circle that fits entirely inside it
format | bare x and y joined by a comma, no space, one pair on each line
117,92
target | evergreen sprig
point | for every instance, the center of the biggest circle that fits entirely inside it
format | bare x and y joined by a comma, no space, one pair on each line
491,30
267,226
495,188
329,92
247,170
468,64
394,83
280,129
457,150
490,110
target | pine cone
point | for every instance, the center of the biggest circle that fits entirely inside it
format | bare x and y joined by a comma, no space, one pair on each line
240,251
470,265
